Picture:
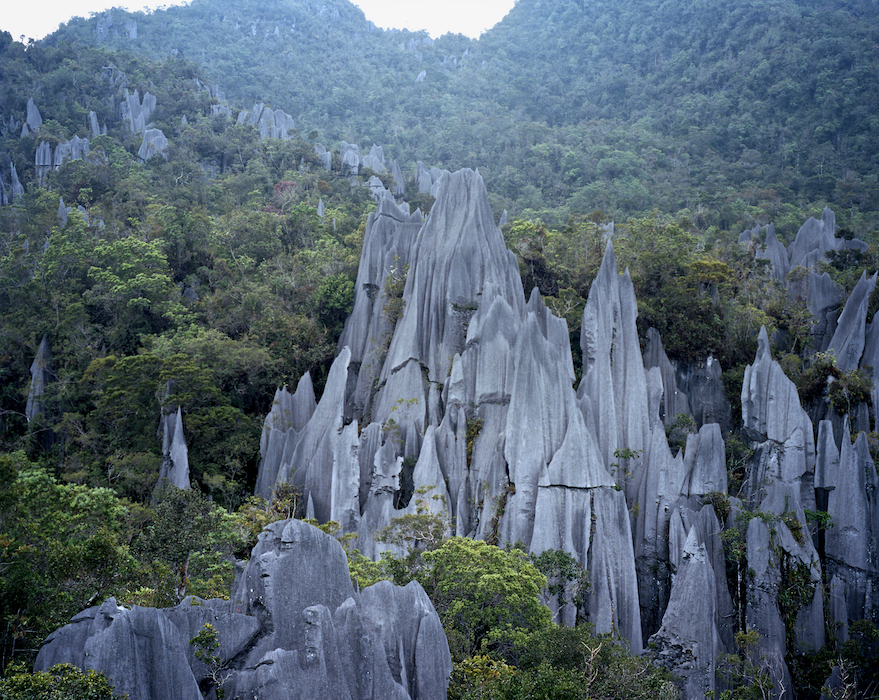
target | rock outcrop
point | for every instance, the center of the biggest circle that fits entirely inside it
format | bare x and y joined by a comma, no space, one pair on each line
41,375
449,382
45,159
271,124
463,388
295,627
137,113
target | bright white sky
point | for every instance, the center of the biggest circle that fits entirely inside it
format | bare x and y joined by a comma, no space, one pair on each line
470,17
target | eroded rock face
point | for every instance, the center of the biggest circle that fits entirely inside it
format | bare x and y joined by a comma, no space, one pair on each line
465,390
295,627
41,375
154,144
450,383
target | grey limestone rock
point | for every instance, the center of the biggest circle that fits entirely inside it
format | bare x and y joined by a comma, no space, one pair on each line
851,544
16,189
399,183
34,121
140,650
705,462
295,627
375,159
674,401
63,211
776,254
41,375
324,640
350,155
762,612
325,156
848,341
175,454
814,239
771,407
137,113
44,159
823,299
688,642
154,143
422,178
702,383
616,389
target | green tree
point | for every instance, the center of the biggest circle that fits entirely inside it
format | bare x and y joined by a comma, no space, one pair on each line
485,596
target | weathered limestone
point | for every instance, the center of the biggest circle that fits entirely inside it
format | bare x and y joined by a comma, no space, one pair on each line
771,411
175,454
44,159
294,627
154,143
137,113
41,375
375,160
851,544
849,339
466,393
33,121
325,156
350,156
689,641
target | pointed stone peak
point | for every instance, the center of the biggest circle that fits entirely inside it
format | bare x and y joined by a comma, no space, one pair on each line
763,350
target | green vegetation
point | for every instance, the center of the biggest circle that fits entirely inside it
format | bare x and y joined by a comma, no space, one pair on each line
61,682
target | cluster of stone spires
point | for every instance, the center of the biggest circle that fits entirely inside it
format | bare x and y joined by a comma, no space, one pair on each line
448,380
462,388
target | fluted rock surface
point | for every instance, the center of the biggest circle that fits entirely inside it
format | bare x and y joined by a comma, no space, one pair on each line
294,627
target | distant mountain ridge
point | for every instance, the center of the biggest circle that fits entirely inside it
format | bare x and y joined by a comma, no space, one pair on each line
567,106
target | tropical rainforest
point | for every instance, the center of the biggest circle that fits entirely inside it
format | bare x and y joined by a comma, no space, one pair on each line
207,276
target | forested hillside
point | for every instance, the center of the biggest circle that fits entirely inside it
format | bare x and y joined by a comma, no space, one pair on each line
185,260
740,112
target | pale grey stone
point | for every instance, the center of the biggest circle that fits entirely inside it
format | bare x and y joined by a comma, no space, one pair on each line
41,376
154,143
847,343
34,121
688,642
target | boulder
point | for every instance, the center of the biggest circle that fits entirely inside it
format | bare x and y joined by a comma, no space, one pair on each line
154,143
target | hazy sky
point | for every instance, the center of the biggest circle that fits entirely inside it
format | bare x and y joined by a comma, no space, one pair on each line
470,17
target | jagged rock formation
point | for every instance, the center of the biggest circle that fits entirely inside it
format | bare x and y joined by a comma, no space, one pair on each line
16,189
45,160
294,627
375,159
137,113
325,156
449,381
33,121
95,128
41,375
441,343
274,124
154,144
350,156
692,390
175,454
